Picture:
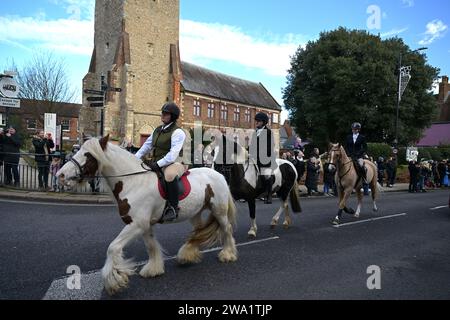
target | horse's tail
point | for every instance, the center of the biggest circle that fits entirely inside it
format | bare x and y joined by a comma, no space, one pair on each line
210,232
295,198
231,214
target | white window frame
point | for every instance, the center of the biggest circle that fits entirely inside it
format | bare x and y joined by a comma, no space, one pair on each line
224,112
248,115
211,110
197,108
2,120
237,114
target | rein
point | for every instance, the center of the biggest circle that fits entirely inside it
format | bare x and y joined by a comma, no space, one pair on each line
81,176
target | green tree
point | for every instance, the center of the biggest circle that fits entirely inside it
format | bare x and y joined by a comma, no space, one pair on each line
351,75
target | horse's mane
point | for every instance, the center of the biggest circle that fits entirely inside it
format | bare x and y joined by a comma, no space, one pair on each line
111,153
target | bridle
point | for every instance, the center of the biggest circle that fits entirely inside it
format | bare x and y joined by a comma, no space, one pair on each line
335,165
80,176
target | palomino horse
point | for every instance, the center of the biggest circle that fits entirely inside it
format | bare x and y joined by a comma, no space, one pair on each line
347,179
141,205
243,179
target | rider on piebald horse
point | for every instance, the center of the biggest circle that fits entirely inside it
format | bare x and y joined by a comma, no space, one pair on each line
356,148
165,145
264,153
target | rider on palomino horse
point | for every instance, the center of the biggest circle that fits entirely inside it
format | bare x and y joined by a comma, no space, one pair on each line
265,153
165,145
356,148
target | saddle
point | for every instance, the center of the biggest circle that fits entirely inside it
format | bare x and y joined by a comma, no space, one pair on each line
359,171
184,186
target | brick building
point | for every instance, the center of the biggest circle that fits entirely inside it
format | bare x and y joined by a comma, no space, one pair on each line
32,113
136,49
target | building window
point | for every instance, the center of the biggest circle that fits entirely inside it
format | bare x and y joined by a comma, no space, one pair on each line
2,120
197,108
65,125
237,114
224,112
31,124
247,115
211,108
275,118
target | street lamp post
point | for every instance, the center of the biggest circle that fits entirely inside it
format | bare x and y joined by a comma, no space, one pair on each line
403,80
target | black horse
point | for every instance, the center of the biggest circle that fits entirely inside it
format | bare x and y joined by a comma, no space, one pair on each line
245,183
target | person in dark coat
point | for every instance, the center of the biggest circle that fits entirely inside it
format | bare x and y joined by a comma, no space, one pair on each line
413,174
299,164
263,151
390,170
356,148
11,157
312,172
42,147
441,168
381,168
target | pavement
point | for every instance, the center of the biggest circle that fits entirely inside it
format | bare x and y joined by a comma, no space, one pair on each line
104,198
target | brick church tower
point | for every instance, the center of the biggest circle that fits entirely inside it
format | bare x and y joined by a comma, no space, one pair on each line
136,49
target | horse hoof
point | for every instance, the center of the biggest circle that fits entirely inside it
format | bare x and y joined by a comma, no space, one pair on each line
335,222
356,215
252,234
375,210
273,224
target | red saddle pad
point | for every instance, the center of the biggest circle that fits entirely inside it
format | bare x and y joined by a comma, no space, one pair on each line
186,185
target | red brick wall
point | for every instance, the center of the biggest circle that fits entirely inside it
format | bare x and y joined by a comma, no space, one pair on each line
188,114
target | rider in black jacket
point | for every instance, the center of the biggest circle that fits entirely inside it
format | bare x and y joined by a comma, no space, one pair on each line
356,148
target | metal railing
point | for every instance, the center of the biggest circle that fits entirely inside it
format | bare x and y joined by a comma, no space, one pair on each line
29,178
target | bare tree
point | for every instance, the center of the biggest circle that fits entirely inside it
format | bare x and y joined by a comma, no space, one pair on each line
45,78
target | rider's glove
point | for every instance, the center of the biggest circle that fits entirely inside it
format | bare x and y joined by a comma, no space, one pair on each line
154,166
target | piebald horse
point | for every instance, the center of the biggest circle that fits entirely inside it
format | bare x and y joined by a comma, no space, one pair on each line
347,179
141,206
242,175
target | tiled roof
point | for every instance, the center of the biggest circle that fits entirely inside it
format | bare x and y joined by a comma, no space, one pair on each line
437,134
218,85
62,109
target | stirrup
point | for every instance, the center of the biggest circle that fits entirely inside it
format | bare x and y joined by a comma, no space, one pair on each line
170,214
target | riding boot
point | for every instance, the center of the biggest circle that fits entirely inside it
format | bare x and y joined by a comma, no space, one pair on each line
268,187
172,209
364,174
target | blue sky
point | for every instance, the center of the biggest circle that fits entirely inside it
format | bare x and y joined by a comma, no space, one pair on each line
250,39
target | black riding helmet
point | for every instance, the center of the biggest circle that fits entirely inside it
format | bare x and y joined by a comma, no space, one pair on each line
173,109
356,125
261,116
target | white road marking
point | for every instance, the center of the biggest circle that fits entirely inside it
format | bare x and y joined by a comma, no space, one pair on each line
369,220
65,204
437,208
92,282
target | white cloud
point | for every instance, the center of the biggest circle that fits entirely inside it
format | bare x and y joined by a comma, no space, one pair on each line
65,35
200,41
435,30
408,3
77,9
393,32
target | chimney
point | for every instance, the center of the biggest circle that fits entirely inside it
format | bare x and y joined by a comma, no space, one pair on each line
444,88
